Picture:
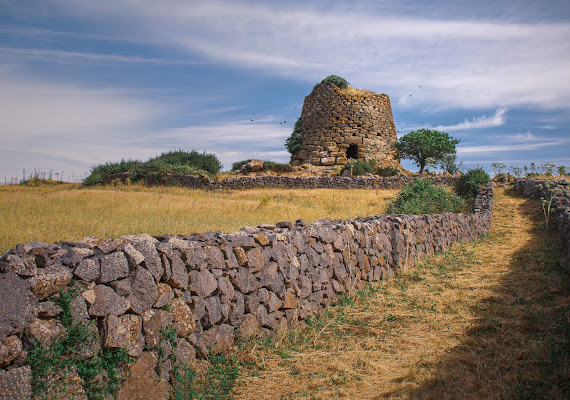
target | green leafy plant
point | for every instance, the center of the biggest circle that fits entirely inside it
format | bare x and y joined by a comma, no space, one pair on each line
425,145
467,184
386,171
448,163
549,191
423,197
357,167
63,355
294,142
164,169
498,168
339,81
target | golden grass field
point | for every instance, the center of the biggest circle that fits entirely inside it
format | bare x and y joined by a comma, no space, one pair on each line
485,320
69,212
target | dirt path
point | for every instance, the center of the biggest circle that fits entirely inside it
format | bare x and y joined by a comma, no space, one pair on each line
486,320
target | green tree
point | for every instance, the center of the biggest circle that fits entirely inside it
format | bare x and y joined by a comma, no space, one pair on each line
423,145
449,164
294,142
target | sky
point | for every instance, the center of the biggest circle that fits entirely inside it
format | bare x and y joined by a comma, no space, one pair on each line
85,82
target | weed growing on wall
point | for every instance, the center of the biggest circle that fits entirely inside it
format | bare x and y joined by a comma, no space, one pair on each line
101,374
423,197
549,191
357,167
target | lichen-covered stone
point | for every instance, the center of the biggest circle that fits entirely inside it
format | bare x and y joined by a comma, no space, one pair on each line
108,302
249,327
16,384
88,270
124,331
165,294
113,266
152,261
10,348
179,275
219,338
50,280
203,283
18,307
45,332
183,317
154,322
144,292
24,265
48,309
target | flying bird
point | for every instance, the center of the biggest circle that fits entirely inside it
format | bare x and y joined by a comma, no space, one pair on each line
410,95
252,120
397,101
420,86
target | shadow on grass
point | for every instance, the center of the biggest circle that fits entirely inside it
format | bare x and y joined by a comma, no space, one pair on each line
519,343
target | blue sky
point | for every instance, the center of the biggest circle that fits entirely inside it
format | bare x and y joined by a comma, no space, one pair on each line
85,82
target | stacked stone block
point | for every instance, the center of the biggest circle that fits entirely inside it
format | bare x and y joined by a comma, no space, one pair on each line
210,288
342,123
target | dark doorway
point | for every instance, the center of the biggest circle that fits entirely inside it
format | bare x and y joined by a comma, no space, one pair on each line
352,151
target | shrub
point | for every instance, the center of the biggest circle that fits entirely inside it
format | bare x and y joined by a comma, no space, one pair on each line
357,167
202,161
466,185
386,171
423,197
339,81
294,142
239,164
176,162
99,172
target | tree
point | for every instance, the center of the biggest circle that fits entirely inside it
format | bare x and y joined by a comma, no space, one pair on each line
449,164
294,142
424,144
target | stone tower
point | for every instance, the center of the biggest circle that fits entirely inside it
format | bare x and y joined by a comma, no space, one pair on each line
346,123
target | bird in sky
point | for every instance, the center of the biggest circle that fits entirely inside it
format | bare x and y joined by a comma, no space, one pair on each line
420,86
252,120
410,95
397,101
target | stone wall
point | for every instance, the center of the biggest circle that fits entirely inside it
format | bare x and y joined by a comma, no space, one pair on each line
292,182
560,208
346,123
210,288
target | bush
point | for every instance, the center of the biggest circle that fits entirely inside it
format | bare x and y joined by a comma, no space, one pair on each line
423,197
386,171
294,142
467,184
99,172
357,167
339,81
239,164
177,163
202,161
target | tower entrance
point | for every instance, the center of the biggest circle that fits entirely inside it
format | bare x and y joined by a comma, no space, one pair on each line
352,151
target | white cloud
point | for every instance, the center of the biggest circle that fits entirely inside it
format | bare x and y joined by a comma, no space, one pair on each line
477,122
458,63
64,56
518,142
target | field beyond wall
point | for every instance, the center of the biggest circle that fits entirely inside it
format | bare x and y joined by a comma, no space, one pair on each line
69,212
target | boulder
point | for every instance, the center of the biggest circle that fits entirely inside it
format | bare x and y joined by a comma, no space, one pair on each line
18,307
45,332
254,166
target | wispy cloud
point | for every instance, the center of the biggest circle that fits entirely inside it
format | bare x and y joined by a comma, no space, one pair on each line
481,122
478,63
65,56
519,142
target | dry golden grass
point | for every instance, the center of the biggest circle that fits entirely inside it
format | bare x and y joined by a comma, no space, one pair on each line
67,212
358,92
485,320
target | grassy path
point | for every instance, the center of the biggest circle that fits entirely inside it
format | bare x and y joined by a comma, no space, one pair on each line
486,320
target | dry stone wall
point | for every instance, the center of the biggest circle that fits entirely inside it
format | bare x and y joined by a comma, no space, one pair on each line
210,288
560,208
291,182
346,123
